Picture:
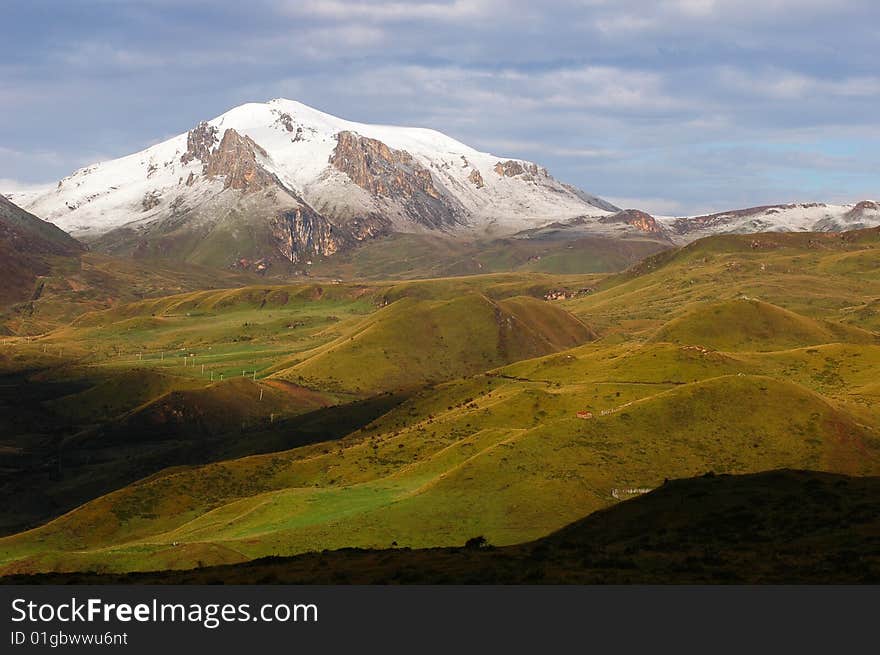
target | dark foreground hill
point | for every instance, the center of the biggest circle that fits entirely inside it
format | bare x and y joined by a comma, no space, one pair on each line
781,526
28,248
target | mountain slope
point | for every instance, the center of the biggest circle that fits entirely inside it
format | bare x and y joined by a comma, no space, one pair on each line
27,246
416,342
276,182
797,217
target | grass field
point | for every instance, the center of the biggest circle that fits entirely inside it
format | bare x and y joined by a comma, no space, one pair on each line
777,527
736,354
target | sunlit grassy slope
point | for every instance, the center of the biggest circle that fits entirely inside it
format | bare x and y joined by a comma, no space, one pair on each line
195,377
735,354
414,341
785,526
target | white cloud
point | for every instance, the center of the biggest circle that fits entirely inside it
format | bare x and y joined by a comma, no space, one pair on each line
789,85
684,99
504,146
8,185
654,206
342,10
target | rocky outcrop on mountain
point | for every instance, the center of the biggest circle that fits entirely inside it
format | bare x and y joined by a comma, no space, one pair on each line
301,232
509,168
233,157
285,120
513,168
476,178
388,173
235,160
637,219
151,199
199,142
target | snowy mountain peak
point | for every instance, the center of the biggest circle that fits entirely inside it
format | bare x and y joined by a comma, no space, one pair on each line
282,177
792,217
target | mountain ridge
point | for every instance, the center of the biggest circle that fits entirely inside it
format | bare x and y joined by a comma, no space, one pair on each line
280,184
303,184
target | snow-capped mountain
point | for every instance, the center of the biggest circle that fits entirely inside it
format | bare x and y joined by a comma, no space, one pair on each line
797,217
679,230
281,181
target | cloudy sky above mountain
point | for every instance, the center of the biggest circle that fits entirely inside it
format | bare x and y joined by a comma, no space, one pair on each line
674,106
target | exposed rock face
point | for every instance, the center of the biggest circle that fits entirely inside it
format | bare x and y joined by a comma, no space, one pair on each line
302,232
150,200
236,160
388,173
637,219
528,171
476,179
199,142
286,120
509,168
362,228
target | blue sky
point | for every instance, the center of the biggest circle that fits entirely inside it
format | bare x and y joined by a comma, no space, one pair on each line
673,106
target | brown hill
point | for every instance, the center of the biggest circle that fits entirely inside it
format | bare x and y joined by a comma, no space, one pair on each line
28,247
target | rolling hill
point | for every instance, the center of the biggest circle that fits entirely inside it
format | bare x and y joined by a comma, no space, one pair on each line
413,342
778,527
530,400
29,248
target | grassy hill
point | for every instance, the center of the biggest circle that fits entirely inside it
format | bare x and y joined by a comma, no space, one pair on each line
531,400
778,527
489,456
29,248
185,379
748,324
794,271
431,256
413,342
